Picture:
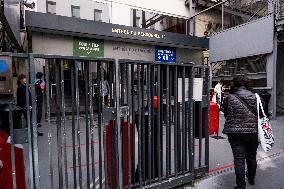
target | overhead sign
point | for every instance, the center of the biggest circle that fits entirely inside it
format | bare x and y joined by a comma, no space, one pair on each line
56,24
120,50
88,47
165,54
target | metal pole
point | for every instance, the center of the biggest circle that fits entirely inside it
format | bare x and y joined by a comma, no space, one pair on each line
191,17
118,124
222,15
34,121
50,137
30,131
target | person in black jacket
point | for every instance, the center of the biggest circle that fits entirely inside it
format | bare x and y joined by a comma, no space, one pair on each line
21,94
39,91
21,98
240,111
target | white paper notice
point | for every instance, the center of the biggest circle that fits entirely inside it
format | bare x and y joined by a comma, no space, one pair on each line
197,89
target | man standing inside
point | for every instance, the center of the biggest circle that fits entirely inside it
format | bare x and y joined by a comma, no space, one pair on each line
39,90
218,92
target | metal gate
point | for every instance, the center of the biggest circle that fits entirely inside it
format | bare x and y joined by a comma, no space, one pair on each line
111,123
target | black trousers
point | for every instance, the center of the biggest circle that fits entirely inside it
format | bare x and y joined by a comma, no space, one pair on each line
244,148
39,111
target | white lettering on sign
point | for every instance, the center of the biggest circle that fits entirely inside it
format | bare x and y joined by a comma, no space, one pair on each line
88,47
138,33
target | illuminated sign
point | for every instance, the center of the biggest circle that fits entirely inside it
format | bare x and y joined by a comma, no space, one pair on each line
165,54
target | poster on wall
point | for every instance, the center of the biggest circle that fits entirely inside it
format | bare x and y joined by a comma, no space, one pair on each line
88,47
165,54
197,89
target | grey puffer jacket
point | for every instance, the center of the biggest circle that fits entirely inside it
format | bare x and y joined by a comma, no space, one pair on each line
239,119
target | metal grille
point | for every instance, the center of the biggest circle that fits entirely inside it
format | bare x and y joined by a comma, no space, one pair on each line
114,123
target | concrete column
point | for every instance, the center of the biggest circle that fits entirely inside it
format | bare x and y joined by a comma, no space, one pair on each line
271,62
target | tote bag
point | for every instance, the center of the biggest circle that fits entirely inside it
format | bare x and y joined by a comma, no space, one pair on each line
265,134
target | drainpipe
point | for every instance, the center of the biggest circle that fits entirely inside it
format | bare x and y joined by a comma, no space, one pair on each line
192,5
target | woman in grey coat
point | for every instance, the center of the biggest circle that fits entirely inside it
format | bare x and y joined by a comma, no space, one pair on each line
240,110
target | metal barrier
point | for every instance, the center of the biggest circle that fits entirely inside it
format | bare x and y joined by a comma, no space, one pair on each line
114,123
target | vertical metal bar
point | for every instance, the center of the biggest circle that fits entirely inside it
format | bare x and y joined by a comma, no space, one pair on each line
191,122
34,121
200,132
170,77
73,123
92,126
162,119
30,129
207,78
59,124
133,121
100,124
77,96
47,94
87,121
63,122
143,122
149,90
222,15
118,126
167,119
13,166
139,124
183,123
194,136
176,119
129,126
153,122
159,85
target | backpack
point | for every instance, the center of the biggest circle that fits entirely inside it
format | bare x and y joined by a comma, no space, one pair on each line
39,88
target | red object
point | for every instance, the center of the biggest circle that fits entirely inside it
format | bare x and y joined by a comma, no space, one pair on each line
155,102
214,119
6,179
111,153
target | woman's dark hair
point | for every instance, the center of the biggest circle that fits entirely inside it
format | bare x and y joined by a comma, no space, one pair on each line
241,81
20,77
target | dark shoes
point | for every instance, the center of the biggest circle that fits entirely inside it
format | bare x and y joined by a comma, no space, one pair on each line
38,125
238,187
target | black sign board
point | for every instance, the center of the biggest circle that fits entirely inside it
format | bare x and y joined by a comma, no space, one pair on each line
62,25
